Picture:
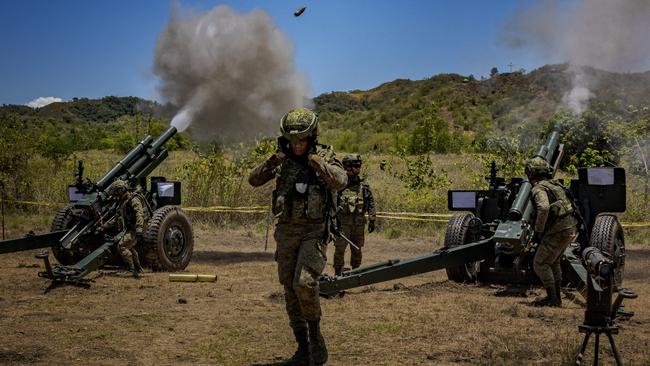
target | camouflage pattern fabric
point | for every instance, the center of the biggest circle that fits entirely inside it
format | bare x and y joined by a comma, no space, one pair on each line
558,226
356,233
353,203
300,261
300,231
126,247
131,216
546,263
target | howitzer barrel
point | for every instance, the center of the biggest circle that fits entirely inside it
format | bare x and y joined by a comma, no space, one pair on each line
163,138
547,150
138,157
119,168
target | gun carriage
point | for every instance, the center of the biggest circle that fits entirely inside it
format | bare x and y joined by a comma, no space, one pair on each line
492,240
80,242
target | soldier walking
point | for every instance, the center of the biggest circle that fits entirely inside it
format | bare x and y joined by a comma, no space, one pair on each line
130,218
307,177
555,226
353,203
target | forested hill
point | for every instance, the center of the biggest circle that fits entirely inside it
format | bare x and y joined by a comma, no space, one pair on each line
102,110
444,113
401,111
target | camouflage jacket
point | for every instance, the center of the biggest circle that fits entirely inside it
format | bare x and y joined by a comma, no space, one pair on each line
132,214
554,209
356,200
302,184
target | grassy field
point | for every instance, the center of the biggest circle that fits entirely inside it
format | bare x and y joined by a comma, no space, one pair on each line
240,319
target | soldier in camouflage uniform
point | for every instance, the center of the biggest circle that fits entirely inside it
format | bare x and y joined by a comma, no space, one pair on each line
555,225
307,177
353,203
131,218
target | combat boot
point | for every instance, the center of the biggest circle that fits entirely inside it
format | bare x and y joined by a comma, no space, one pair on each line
134,272
317,344
551,298
558,292
301,356
338,270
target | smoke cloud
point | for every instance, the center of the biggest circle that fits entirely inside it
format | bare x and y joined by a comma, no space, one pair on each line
232,74
610,35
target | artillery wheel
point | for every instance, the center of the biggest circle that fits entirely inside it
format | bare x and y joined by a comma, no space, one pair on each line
457,233
168,241
607,235
63,221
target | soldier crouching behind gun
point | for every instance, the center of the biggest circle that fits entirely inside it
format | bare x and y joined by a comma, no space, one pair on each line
555,228
130,217
307,176
353,203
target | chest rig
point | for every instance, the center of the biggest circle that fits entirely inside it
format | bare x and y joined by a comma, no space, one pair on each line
352,198
300,193
560,204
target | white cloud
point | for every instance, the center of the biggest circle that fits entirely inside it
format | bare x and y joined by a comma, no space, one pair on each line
43,101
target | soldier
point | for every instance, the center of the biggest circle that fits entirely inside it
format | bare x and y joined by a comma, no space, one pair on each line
555,226
353,203
130,218
307,176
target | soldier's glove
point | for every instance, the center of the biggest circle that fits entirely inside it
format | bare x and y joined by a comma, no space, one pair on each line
371,226
283,145
315,160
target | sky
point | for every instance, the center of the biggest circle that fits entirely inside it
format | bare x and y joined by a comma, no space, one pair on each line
75,48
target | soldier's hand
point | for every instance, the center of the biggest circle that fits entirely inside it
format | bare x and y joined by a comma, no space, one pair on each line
280,155
371,226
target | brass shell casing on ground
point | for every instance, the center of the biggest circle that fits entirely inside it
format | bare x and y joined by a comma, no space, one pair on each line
187,277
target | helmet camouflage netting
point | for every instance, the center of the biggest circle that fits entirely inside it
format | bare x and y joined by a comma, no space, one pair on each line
537,166
351,159
298,124
117,187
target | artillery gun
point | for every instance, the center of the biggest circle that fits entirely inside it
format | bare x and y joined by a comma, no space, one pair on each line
492,240
81,245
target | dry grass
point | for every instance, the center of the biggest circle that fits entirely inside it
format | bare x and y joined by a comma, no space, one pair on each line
240,320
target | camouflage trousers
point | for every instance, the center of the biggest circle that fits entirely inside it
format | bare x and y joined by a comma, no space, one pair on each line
356,234
300,263
547,259
126,247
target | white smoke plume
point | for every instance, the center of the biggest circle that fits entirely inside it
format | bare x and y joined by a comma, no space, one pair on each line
43,101
232,74
610,35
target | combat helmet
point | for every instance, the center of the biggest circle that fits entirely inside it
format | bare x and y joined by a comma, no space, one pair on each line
298,124
537,166
352,160
117,188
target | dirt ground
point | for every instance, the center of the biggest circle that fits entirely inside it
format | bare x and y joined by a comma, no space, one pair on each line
240,319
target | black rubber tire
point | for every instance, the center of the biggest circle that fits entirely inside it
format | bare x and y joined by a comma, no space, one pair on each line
455,235
62,221
607,235
169,240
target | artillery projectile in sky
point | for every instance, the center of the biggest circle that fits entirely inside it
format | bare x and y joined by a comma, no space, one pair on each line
299,11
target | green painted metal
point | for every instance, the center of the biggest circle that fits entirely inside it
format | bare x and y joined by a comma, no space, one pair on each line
31,242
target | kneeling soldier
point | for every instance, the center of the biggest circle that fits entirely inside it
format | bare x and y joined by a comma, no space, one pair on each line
130,218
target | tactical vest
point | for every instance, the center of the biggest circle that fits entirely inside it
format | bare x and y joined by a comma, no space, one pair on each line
127,216
300,193
351,199
560,204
